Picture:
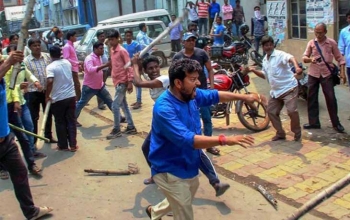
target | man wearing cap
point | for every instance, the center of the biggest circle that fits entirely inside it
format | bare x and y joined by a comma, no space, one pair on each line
191,52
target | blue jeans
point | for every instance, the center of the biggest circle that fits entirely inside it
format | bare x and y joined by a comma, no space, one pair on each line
257,40
138,94
203,22
119,102
206,118
28,125
88,93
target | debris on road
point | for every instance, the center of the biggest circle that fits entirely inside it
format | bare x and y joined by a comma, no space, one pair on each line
132,169
266,194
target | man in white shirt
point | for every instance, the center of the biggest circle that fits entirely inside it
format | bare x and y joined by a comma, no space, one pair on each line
284,87
60,90
192,12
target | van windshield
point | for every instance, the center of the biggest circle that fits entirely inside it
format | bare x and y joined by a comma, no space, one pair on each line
88,37
164,18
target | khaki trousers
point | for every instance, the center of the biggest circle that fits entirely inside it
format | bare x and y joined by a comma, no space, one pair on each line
179,194
274,107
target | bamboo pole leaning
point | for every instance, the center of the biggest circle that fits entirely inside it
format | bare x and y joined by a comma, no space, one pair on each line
28,132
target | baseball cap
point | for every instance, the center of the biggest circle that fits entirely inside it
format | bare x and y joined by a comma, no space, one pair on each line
188,35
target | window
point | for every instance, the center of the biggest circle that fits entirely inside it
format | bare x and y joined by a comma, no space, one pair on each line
164,18
298,28
343,8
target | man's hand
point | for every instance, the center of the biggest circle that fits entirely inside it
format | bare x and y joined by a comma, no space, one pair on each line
135,59
130,87
47,99
38,86
298,70
15,57
242,140
17,108
342,76
24,85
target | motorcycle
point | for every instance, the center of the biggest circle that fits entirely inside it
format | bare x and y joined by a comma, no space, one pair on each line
252,116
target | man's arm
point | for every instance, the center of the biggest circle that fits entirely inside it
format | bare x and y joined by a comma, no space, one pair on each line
298,70
341,43
66,55
259,73
341,61
89,66
306,58
49,85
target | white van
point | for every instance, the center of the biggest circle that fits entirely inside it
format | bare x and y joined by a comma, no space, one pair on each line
151,15
154,28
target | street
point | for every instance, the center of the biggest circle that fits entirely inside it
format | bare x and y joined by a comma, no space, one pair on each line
293,172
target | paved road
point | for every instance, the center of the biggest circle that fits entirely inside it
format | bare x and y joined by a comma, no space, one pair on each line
293,172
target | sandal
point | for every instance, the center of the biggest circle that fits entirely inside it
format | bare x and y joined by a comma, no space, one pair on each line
62,149
42,211
148,181
214,151
4,175
149,212
73,149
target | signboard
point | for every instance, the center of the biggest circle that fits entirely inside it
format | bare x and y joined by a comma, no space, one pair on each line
277,19
319,11
15,12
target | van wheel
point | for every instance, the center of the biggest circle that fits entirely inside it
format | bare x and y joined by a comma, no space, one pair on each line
161,58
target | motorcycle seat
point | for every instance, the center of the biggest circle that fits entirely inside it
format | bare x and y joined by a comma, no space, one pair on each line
228,48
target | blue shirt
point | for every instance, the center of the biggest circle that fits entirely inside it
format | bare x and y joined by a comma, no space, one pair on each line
132,48
143,40
174,125
4,127
213,9
175,33
344,44
217,30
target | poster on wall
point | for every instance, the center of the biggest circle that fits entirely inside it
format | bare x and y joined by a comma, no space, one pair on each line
276,17
319,11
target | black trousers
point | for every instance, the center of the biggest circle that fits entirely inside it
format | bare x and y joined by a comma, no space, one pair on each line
65,121
35,99
12,161
14,119
312,99
176,45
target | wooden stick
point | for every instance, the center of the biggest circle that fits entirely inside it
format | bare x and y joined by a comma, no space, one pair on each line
28,132
212,25
321,197
160,36
46,113
132,169
20,45
267,195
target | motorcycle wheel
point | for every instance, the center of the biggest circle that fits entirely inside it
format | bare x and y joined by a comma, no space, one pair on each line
256,57
253,116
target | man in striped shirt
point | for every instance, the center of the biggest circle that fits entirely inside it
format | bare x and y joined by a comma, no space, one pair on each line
203,8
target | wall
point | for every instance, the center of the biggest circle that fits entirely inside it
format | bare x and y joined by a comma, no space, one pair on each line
297,46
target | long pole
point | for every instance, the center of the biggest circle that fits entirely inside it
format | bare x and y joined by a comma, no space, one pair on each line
22,35
322,196
28,132
46,113
160,37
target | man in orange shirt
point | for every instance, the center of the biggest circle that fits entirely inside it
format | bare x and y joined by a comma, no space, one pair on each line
122,79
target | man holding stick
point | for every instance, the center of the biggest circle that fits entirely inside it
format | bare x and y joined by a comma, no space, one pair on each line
9,154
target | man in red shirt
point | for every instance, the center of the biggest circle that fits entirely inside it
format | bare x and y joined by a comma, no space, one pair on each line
203,8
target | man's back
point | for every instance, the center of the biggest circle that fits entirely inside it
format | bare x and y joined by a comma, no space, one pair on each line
63,85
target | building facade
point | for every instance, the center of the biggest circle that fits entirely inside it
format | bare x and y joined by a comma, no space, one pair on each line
293,21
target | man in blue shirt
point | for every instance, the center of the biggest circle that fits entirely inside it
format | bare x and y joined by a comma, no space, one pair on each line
344,45
213,9
218,33
176,138
175,35
133,47
142,37
9,154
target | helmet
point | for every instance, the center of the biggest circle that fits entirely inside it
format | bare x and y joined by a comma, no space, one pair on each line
244,29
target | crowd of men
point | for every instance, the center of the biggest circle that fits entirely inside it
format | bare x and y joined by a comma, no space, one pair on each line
174,146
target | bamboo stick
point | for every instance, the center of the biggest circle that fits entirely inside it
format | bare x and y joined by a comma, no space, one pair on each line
46,113
22,35
28,132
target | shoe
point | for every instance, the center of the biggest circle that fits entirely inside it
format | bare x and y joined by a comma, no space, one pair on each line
35,170
78,124
4,175
122,119
74,149
114,134
309,126
297,137
148,181
220,188
103,107
339,128
42,211
276,138
130,131
214,151
137,105
51,141
38,155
